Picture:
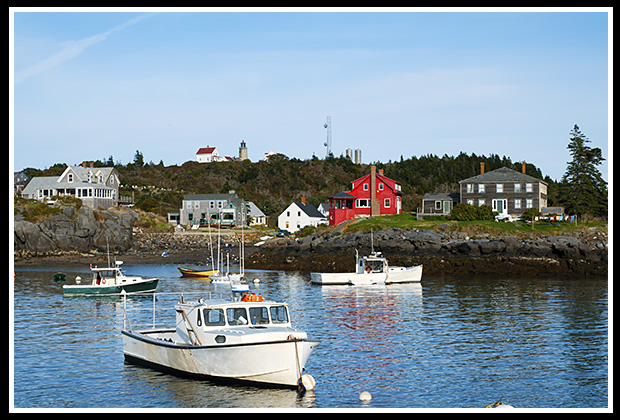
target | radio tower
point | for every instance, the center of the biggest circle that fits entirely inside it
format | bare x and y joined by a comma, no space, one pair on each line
328,143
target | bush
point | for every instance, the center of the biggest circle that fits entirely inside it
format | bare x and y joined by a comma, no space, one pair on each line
464,211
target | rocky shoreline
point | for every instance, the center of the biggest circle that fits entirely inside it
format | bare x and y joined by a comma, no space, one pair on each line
441,251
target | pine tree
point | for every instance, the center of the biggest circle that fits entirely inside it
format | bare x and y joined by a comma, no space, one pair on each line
583,190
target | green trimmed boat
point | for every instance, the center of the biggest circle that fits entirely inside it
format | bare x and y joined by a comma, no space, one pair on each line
110,281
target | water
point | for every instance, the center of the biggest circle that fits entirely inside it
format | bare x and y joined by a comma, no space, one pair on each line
447,343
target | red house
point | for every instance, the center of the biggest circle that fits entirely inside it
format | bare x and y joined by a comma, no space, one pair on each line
370,195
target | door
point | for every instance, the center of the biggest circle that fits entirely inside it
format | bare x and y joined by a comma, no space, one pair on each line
500,206
446,207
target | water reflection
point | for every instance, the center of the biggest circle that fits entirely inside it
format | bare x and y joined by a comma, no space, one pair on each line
448,342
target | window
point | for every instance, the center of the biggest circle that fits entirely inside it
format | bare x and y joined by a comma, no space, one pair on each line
380,186
387,203
278,314
69,177
481,202
529,187
365,187
211,204
112,179
529,203
214,317
470,201
499,188
517,202
480,188
258,315
517,188
437,205
237,316
470,188
362,203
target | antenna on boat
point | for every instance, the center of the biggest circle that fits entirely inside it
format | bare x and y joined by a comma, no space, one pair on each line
372,244
107,243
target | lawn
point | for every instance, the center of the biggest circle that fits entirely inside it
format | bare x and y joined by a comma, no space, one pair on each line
408,221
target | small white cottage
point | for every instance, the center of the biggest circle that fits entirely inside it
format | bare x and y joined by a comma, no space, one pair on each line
299,215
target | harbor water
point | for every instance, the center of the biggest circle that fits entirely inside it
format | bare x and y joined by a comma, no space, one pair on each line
444,343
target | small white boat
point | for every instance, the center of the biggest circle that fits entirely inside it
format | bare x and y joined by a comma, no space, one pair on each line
247,339
108,281
371,269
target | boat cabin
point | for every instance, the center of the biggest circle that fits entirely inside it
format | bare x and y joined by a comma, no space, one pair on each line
108,276
208,323
373,263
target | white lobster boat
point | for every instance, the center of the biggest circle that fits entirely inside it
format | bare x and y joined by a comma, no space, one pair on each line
371,269
244,339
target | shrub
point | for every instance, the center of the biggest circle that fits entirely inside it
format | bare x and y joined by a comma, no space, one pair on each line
464,211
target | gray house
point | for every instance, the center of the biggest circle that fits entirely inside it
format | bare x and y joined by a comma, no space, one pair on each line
438,204
202,209
507,191
96,187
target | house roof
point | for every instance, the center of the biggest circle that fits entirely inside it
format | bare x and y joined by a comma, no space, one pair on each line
342,194
204,197
253,210
51,182
205,150
501,175
310,210
442,196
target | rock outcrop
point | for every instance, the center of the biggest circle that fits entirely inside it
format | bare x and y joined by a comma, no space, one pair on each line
80,230
449,253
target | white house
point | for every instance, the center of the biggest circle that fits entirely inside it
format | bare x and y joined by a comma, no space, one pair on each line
299,215
96,187
209,154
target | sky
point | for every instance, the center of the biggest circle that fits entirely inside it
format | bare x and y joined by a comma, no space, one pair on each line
88,84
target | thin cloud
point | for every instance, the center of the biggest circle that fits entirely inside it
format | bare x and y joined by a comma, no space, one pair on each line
74,48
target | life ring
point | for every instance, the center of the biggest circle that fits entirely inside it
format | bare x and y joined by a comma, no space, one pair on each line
368,270
103,281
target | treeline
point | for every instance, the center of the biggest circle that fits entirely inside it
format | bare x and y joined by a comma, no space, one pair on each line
272,185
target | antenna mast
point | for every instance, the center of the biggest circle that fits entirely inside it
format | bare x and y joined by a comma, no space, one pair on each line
328,143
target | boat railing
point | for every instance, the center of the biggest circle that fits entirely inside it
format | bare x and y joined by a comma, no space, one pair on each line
167,305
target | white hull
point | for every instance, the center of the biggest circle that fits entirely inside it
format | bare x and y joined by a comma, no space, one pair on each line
277,362
404,274
394,275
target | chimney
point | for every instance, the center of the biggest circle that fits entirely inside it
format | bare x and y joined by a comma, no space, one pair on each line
523,167
481,168
375,210
303,200
380,171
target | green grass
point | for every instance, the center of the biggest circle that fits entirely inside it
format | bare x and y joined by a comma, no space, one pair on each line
408,221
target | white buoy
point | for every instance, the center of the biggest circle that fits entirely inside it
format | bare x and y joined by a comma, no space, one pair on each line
78,280
365,396
307,382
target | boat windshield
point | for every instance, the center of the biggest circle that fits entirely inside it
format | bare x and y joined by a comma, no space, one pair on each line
254,315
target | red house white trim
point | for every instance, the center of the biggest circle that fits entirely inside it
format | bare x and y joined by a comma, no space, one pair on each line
371,195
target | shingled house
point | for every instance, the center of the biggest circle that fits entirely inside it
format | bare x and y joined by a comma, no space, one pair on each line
507,191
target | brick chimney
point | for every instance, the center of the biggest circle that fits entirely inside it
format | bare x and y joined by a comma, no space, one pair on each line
481,168
380,171
375,209
303,200
523,167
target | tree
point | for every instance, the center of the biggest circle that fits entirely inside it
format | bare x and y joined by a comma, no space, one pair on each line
583,189
138,159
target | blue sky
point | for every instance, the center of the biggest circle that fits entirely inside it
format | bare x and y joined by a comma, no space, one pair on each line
88,85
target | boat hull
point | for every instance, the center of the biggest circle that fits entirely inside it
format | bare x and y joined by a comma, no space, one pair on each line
146,286
188,272
404,274
275,363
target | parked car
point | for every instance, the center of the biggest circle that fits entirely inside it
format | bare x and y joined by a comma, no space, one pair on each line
283,232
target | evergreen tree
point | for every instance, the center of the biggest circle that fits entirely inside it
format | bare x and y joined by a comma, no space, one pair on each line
583,190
